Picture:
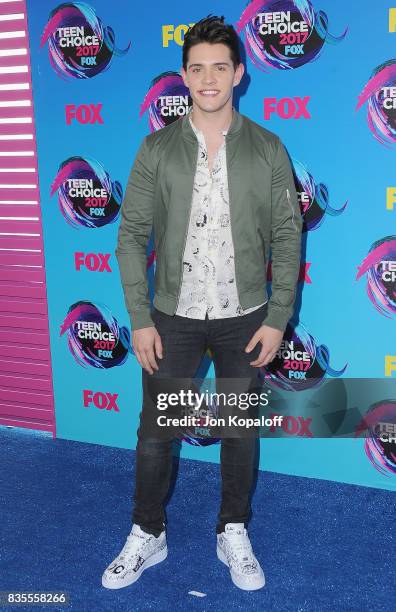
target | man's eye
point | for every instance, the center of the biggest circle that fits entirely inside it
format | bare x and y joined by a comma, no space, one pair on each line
221,67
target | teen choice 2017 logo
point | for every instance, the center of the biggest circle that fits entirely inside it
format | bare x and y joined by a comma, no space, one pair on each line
380,269
284,33
79,45
167,100
300,363
87,196
200,434
380,95
380,442
94,336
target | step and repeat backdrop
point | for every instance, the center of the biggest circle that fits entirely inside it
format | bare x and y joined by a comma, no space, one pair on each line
320,74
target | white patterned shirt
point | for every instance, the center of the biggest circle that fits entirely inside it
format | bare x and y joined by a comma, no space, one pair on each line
208,283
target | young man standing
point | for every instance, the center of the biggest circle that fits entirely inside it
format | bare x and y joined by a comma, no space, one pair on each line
218,190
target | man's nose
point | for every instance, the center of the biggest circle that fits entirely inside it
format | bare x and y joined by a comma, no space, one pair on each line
209,77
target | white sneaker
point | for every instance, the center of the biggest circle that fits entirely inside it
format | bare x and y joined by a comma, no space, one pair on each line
141,550
235,550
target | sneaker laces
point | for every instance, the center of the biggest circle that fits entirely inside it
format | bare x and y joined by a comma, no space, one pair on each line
241,550
135,543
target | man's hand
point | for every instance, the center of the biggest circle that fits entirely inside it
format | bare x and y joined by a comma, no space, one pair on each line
144,341
270,339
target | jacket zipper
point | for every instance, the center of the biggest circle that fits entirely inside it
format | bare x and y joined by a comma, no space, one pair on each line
231,225
185,235
292,209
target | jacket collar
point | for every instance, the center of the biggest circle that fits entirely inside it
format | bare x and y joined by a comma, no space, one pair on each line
188,132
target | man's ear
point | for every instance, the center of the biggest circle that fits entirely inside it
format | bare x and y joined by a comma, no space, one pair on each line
183,75
239,74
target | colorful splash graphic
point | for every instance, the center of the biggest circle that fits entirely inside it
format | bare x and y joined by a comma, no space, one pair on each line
79,45
300,363
380,267
284,34
94,337
87,196
380,441
314,198
167,100
380,95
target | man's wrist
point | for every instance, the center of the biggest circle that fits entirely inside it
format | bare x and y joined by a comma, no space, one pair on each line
141,318
276,319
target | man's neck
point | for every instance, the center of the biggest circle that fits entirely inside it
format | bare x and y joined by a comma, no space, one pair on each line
212,123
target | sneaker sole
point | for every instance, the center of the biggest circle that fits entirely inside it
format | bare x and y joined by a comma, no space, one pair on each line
153,560
237,580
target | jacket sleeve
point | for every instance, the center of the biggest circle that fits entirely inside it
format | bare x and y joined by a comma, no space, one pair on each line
286,228
133,236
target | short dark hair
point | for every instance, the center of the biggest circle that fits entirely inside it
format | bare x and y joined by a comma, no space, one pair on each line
212,29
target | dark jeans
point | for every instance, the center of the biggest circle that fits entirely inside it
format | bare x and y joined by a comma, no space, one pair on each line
185,342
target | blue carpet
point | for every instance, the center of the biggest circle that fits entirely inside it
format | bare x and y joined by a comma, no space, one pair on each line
65,514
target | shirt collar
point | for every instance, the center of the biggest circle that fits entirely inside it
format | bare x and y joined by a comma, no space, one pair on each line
236,126
196,130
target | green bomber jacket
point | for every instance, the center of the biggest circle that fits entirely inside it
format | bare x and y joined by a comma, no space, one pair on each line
264,212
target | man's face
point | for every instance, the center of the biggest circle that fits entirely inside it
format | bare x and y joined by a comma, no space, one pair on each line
210,75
